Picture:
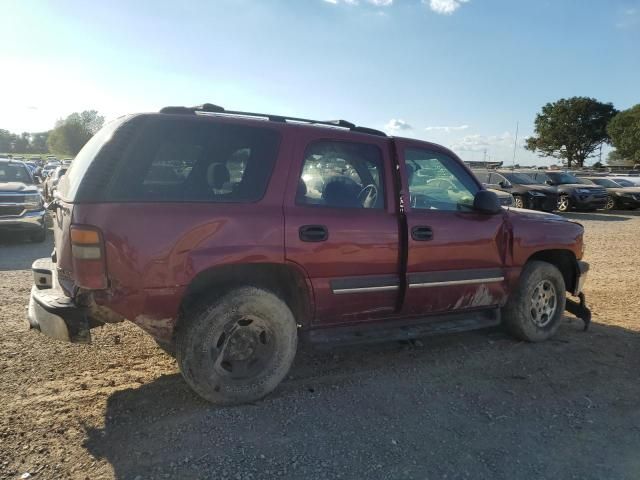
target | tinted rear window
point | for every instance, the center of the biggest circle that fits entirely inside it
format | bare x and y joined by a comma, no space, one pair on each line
191,160
70,182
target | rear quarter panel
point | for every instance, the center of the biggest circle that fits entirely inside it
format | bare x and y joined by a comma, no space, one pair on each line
154,250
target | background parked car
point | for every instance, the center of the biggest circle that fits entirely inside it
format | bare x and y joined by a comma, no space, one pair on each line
631,179
506,199
526,192
49,168
21,207
617,195
51,183
572,194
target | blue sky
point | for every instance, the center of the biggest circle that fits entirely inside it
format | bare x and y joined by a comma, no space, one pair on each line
457,72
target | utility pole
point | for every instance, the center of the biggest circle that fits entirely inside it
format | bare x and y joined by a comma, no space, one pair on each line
515,144
485,156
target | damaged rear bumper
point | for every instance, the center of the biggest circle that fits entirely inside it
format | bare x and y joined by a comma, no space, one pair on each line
51,311
579,308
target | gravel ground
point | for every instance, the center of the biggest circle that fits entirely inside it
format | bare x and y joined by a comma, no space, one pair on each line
475,405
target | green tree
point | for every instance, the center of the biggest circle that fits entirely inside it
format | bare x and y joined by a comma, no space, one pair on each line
614,158
39,142
21,143
571,129
70,135
624,130
6,141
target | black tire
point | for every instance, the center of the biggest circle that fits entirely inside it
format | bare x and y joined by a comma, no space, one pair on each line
167,347
528,316
238,348
518,202
611,203
564,204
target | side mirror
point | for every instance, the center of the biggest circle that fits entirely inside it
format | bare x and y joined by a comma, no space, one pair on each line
38,179
504,184
549,182
486,202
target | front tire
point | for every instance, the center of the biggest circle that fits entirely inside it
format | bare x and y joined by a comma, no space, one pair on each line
534,310
563,203
238,348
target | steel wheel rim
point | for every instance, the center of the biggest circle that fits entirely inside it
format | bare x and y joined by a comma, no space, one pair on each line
544,303
563,203
242,348
518,202
610,203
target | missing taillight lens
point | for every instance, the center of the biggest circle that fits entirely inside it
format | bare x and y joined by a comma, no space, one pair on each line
87,251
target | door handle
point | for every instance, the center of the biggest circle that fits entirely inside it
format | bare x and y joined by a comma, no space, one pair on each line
421,233
313,233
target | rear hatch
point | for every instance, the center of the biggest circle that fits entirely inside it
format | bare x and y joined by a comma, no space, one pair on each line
82,177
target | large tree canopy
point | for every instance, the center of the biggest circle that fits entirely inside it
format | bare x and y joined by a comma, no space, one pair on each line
23,143
70,135
571,129
624,130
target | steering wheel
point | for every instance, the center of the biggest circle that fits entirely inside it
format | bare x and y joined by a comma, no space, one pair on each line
368,196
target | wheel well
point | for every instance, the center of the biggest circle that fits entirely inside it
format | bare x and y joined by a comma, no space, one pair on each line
286,281
563,260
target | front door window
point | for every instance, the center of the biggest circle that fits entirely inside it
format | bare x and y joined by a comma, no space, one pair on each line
436,182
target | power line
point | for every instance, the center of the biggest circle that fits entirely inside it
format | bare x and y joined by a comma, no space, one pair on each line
515,144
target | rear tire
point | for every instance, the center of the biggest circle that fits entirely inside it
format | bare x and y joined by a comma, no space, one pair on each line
167,347
238,348
534,310
518,202
611,203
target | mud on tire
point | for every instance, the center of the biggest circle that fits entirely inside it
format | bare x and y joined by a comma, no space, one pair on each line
534,310
238,348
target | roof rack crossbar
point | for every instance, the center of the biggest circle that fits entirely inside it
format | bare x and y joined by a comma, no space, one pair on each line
215,109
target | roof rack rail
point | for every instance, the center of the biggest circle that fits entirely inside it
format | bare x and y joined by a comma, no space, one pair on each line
211,108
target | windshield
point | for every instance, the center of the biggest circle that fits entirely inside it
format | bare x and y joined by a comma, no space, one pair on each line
562,178
605,182
585,181
624,183
521,178
13,172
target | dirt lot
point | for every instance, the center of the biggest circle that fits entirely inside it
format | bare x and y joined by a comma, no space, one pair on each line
476,405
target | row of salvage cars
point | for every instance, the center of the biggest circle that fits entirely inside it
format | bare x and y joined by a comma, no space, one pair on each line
22,209
550,190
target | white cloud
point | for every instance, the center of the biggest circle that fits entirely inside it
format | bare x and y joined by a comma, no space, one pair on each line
477,143
629,18
397,124
376,3
445,7
448,128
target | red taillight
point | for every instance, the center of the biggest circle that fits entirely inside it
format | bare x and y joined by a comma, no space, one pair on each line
87,252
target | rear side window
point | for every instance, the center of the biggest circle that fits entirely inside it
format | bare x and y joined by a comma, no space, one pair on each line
192,160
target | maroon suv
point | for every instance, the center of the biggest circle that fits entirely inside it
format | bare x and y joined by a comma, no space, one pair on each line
228,236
